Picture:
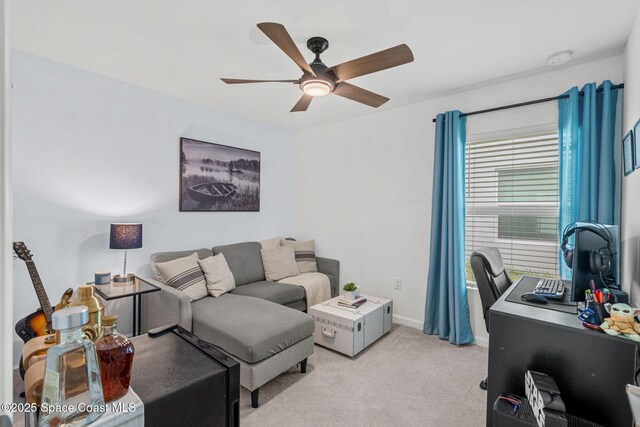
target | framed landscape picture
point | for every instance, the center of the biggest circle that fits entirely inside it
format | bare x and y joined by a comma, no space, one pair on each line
627,152
636,149
218,178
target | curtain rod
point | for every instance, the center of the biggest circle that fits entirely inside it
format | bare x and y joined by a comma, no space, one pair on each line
524,104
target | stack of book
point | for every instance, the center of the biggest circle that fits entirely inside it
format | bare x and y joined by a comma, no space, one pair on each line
352,304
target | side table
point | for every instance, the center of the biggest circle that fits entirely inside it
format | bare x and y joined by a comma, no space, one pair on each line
118,290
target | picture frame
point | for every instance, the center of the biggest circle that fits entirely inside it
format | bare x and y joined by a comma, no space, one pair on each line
218,178
628,153
636,148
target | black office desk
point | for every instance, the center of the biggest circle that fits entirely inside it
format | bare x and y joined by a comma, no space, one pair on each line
591,368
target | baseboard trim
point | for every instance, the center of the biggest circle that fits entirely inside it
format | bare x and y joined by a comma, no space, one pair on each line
482,341
416,324
407,321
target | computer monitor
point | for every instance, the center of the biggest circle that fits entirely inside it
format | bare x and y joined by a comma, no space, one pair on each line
585,242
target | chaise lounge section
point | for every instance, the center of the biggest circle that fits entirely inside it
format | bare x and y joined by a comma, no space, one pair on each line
261,323
265,338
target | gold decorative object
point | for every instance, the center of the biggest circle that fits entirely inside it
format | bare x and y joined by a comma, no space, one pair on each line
65,299
85,295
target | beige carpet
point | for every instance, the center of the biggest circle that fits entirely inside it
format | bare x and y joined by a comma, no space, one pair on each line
404,379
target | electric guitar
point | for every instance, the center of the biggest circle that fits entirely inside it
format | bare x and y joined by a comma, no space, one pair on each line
38,323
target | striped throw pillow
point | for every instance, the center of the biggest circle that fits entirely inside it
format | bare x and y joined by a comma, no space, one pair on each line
185,275
305,254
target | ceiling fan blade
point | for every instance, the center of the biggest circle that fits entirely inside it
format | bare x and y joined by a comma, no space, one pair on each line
239,81
358,94
302,104
378,61
279,35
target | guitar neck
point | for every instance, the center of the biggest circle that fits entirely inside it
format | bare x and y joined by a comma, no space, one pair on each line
40,292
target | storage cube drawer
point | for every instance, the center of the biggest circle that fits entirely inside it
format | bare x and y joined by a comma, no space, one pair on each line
349,341
387,310
373,326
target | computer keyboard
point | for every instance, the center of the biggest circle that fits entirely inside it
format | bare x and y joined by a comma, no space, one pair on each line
550,288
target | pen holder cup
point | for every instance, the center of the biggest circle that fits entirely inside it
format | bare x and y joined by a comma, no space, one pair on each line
600,313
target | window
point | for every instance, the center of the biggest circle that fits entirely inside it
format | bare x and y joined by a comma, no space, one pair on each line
511,197
530,186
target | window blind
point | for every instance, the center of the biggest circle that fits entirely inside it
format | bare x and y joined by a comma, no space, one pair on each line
511,197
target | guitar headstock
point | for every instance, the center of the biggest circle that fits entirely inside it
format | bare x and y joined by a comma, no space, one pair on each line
21,250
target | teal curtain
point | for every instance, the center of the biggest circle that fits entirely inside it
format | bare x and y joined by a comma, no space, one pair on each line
589,135
446,309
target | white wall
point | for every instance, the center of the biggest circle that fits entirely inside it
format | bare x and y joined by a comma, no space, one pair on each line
364,185
89,151
631,183
6,276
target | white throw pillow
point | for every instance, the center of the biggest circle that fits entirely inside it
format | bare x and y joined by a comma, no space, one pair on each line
185,275
271,243
279,263
217,274
305,253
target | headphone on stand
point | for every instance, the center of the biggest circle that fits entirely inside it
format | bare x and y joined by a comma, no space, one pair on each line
599,260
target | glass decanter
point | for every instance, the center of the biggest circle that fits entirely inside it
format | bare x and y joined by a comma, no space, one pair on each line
115,356
72,391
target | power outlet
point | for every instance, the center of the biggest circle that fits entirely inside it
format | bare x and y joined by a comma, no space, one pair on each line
397,284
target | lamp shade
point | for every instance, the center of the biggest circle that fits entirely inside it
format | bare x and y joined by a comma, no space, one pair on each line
125,236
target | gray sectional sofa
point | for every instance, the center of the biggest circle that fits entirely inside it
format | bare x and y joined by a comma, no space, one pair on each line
261,323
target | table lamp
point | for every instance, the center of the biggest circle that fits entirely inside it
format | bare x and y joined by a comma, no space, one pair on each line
125,236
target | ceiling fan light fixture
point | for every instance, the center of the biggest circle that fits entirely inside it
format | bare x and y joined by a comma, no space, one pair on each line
319,80
316,87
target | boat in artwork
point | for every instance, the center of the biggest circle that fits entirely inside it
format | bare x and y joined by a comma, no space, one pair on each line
211,191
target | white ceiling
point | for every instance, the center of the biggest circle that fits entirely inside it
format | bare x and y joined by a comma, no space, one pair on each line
182,47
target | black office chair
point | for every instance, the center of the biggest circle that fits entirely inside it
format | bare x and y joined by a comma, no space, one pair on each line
492,280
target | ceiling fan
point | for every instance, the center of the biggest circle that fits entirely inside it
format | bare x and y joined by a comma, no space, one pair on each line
319,80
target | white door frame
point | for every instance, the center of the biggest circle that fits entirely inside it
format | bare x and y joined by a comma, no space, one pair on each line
6,208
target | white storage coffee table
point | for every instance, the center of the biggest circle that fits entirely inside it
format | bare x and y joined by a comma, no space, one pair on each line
351,330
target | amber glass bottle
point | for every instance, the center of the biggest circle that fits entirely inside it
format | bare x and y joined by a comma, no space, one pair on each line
115,355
